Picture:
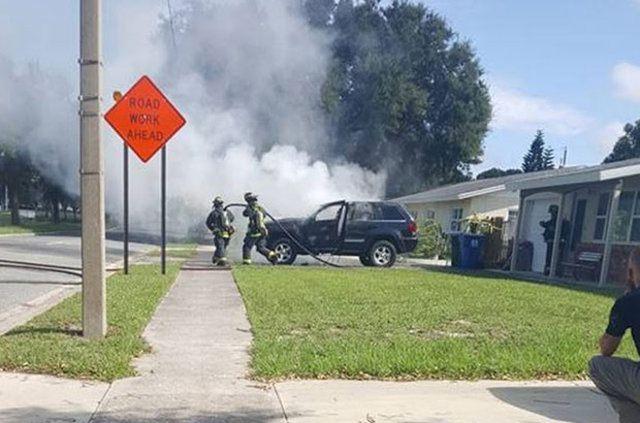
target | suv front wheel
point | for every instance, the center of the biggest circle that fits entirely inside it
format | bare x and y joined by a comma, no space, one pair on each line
382,254
284,250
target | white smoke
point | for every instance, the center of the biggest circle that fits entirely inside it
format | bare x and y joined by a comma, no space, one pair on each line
247,77
38,114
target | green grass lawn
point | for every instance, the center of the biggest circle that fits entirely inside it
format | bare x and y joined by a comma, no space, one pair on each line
51,344
415,324
29,226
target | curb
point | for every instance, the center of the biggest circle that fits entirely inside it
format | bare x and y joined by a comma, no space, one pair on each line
26,311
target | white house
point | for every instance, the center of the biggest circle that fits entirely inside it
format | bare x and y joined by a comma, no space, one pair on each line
600,206
449,205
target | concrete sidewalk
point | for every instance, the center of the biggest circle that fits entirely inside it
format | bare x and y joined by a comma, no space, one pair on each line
197,373
443,402
200,338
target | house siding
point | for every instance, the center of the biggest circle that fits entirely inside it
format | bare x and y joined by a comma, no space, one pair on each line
489,205
617,274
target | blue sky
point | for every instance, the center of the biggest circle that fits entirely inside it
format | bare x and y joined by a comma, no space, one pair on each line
567,67
570,67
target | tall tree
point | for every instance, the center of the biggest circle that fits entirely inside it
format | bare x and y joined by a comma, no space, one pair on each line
17,173
538,157
319,12
548,158
404,94
495,172
52,196
628,145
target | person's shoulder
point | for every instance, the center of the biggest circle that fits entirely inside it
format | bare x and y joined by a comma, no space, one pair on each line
630,299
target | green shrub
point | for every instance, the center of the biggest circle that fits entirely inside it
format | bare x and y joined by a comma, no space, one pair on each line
433,243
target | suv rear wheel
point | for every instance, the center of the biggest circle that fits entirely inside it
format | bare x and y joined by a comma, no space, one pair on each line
382,254
284,250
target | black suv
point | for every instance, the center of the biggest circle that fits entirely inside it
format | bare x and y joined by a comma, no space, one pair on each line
375,231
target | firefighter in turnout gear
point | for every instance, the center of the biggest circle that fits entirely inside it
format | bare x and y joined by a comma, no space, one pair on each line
219,223
256,232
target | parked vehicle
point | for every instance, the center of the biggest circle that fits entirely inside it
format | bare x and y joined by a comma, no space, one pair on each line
374,231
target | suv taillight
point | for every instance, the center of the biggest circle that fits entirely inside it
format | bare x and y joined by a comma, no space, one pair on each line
413,227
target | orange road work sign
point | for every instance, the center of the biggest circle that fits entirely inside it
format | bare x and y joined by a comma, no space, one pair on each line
145,119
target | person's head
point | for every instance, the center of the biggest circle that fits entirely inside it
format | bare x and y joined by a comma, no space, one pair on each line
634,269
250,198
553,210
218,202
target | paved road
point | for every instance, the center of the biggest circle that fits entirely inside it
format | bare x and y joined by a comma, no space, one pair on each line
19,286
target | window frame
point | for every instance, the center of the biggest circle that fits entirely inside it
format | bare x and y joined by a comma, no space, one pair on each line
457,217
428,214
627,236
635,216
604,217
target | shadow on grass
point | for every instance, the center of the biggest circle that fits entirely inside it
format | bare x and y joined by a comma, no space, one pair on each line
607,291
177,415
566,404
46,330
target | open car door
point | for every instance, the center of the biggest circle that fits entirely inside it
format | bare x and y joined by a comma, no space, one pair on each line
323,230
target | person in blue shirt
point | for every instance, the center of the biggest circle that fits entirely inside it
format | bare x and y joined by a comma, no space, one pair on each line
617,377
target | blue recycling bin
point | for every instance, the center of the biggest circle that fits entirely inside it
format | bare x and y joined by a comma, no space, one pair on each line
467,251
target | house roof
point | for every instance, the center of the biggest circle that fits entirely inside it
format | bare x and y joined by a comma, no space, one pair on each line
475,188
581,175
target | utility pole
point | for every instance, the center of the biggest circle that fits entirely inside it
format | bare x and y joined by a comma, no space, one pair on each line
94,319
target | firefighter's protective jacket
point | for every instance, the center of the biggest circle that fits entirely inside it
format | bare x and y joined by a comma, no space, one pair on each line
257,227
219,222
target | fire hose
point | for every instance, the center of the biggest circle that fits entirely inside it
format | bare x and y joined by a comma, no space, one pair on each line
291,237
43,267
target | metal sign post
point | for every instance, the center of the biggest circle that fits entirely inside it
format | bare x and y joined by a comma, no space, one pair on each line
163,212
125,178
117,96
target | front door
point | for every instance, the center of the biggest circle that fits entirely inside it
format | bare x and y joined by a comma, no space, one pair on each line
537,210
362,218
322,228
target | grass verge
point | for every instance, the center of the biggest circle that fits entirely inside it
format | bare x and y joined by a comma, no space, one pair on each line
29,226
51,343
413,324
